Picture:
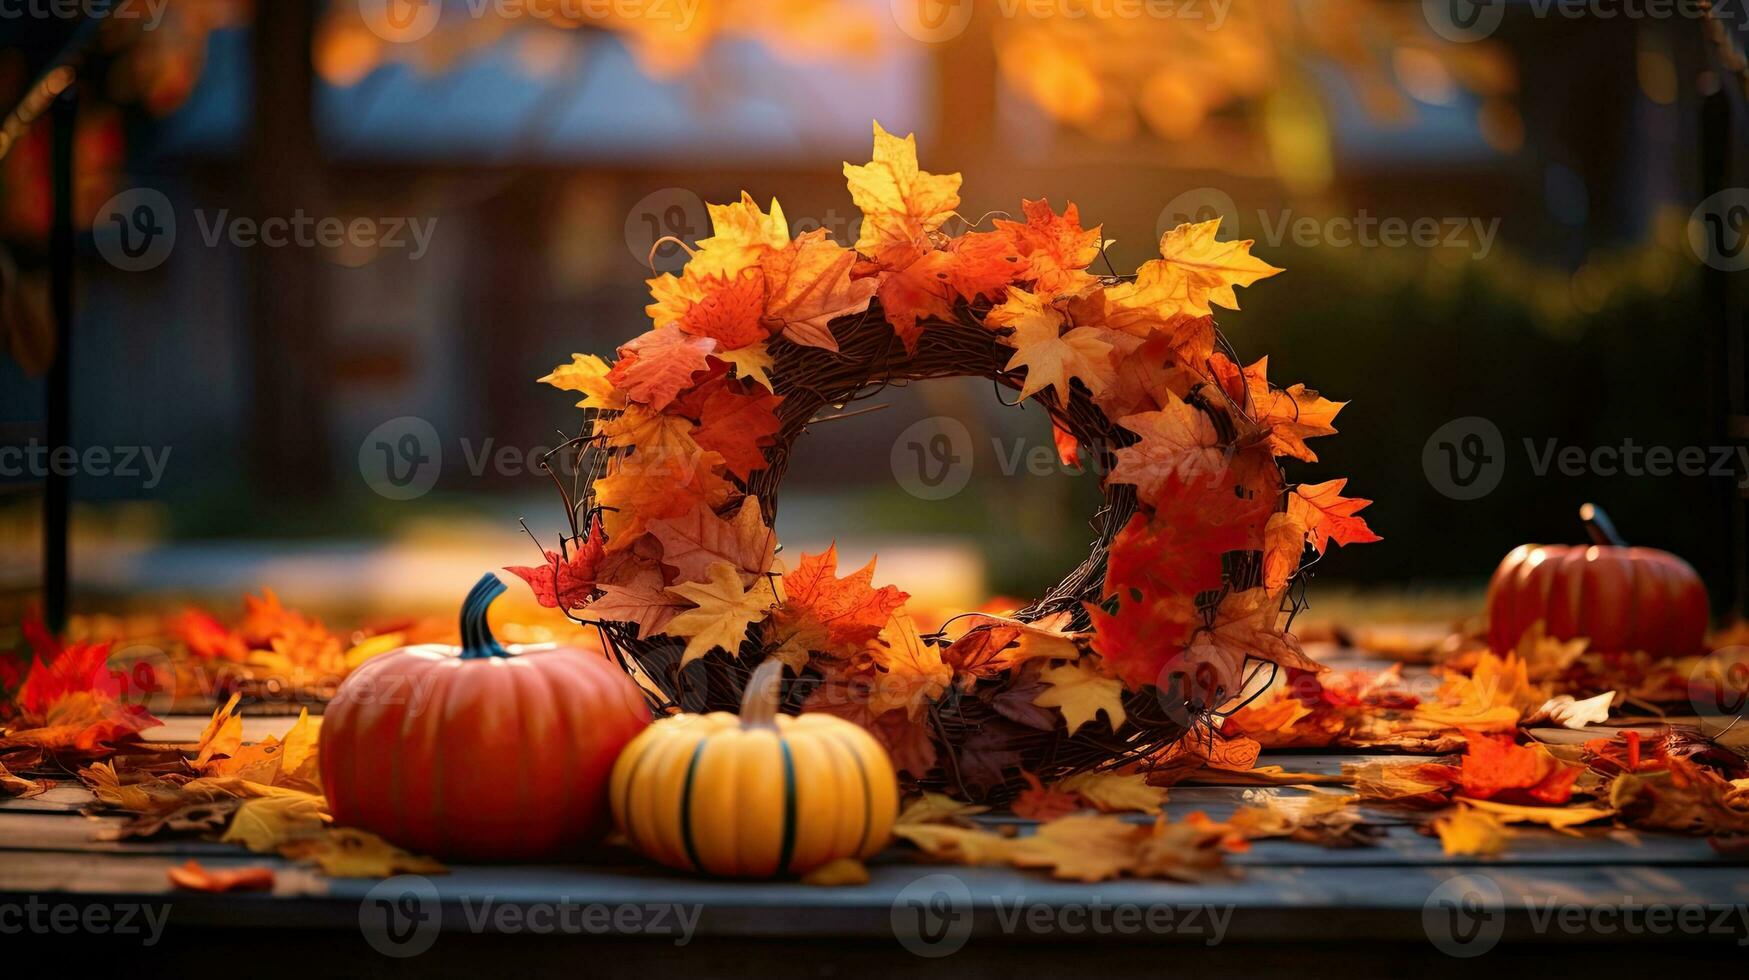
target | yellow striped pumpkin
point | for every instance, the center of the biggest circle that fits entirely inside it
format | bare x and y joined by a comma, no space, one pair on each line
755,795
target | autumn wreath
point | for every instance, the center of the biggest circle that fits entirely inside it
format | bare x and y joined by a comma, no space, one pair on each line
687,435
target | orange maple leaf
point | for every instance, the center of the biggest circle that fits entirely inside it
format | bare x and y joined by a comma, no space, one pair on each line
1290,415
1495,767
1052,358
737,426
1143,642
1178,444
918,291
1041,802
655,367
1193,274
566,582
692,541
808,285
851,609
728,310
1328,516
1056,250
641,488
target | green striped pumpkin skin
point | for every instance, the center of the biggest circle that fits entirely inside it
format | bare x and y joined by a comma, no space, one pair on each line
710,794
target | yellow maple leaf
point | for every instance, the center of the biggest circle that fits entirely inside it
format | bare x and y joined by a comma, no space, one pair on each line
724,611
265,825
347,852
223,734
1193,272
1051,357
1471,832
912,671
649,431
751,363
1290,415
1561,818
644,487
587,374
742,225
1080,693
900,203
928,807
1114,791
298,760
1179,443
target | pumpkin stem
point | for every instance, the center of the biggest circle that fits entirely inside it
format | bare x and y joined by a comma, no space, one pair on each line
759,699
477,638
1599,526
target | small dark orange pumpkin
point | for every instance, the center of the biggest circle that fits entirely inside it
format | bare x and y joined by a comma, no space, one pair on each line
1618,597
480,753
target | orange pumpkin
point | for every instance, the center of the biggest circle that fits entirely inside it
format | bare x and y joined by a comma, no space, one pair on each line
479,753
1618,597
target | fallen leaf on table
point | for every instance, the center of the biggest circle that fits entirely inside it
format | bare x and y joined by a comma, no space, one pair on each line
936,808
19,787
1472,833
1092,847
1567,712
837,873
1686,797
266,825
960,845
1325,819
1554,817
1411,783
1495,767
195,818
1116,791
347,852
1261,776
195,877
1039,802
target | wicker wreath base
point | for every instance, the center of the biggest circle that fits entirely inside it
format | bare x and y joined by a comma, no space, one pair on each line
870,358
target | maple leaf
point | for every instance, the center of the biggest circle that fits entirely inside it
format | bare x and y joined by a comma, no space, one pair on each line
1015,702
1039,802
981,264
928,807
752,363
1284,544
742,226
985,757
808,285
650,606
265,825
920,290
1178,444
1244,626
193,876
1144,641
1415,783
642,488
1328,516
909,742
991,645
646,430
1469,832
851,609
587,375
72,705
1081,693
1056,249
694,541
727,309
347,852
1178,549
900,203
1144,371
737,425
912,671
1290,415
1051,358
724,610
1112,792
564,583
654,367
1193,272
1097,848
206,637
1496,768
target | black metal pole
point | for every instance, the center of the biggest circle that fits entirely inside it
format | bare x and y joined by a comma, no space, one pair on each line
57,484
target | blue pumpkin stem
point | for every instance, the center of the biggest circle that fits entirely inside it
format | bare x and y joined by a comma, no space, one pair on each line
477,639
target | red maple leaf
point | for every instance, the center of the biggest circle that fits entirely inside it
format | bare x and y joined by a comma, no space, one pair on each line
1497,768
1328,516
738,426
562,584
